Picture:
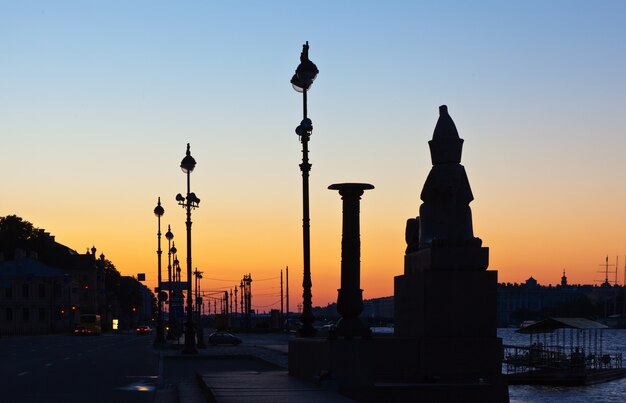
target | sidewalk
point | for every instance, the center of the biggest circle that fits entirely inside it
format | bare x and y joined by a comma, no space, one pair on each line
243,373
270,386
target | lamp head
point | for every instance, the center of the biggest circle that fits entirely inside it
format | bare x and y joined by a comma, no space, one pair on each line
306,72
188,163
158,210
305,128
168,235
193,198
180,198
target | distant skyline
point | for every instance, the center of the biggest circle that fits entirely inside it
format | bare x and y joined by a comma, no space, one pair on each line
98,101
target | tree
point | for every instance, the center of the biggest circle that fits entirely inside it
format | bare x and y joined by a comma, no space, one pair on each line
15,233
123,290
111,275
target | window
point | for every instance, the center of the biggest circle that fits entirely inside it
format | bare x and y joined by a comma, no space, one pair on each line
57,290
26,314
24,290
42,314
9,314
42,290
9,292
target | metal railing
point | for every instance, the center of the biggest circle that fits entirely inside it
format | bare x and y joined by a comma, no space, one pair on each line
539,357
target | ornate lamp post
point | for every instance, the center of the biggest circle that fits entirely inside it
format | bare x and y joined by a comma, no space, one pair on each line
231,304
241,304
169,236
199,332
158,211
301,81
177,294
188,203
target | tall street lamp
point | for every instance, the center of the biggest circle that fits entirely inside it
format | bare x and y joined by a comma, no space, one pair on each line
188,203
158,211
199,332
177,295
241,302
301,81
169,236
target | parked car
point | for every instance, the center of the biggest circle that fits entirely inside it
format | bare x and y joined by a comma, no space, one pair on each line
328,327
143,330
223,338
80,330
292,325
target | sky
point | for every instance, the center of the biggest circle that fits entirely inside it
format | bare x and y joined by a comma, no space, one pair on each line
99,99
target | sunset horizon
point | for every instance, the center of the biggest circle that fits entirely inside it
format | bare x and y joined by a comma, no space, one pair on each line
98,104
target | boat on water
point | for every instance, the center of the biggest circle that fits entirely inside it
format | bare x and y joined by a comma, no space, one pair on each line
562,351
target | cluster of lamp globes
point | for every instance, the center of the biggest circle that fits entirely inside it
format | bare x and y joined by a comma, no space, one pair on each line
192,199
187,165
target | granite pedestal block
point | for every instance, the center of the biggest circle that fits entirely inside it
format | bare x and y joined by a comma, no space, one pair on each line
450,303
345,366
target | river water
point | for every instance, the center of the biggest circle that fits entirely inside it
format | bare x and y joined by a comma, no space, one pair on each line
614,391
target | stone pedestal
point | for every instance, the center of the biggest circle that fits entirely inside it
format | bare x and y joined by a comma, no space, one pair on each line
446,303
450,314
345,366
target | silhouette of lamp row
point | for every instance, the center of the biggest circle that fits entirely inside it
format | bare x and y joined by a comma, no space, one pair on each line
350,302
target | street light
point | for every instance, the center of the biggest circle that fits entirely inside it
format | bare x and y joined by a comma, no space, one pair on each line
188,203
241,302
158,211
176,266
231,293
177,294
301,81
169,236
200,333
247,284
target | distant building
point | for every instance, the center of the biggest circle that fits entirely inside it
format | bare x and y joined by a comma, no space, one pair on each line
529,300
86,271
46,291
34,298
521,301
374,310
378,309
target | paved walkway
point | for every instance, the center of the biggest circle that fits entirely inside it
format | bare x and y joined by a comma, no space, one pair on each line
243,373
269,386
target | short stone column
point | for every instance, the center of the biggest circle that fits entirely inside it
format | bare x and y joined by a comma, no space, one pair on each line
350,295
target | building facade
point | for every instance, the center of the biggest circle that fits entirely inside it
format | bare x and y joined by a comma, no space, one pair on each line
46,291
34,298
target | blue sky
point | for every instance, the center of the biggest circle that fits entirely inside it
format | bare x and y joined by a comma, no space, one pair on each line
98,99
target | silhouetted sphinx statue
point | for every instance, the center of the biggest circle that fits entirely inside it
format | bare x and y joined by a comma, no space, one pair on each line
445,218
445,302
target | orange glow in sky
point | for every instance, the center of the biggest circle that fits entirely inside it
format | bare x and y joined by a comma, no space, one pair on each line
98,101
